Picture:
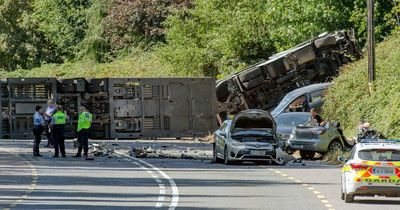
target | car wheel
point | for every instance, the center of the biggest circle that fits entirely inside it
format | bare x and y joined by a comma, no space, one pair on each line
348,198
215,155
308,155
226,157
335,146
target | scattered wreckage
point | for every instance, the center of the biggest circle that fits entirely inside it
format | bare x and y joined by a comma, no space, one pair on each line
263,85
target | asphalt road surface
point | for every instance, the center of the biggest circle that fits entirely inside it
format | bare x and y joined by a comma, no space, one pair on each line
122,182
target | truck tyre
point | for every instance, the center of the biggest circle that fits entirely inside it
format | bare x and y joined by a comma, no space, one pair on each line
325,41
246,76
253,83
307,155
66,88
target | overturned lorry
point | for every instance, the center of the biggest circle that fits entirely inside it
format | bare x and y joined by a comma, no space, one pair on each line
263,85
122,107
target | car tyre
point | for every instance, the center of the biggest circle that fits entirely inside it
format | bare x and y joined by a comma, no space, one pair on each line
335,146
216,159
226,157
348,198
307,155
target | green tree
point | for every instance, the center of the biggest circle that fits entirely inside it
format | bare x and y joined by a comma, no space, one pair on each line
21,46
221,36
63,23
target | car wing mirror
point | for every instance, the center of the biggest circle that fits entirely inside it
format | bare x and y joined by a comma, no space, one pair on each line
342,159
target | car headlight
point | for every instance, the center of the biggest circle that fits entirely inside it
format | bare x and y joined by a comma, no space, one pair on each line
237,143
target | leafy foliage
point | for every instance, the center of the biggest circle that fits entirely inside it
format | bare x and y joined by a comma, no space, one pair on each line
221,36
382,107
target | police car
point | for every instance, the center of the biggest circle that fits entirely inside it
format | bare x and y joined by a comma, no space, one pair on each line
373,168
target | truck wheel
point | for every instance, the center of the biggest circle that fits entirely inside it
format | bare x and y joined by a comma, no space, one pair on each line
215,156
253,83
307,155
250,75
348,198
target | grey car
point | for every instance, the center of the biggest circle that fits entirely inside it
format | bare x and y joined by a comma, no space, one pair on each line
309,139
302,99
286,122
249,136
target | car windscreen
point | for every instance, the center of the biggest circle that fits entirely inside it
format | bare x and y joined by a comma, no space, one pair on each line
282,105
292,120
379,154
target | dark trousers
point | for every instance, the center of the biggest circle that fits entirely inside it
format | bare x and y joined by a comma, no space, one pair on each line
37,132
58,139
83,140
49,135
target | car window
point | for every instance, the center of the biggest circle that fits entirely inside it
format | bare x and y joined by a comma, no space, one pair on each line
379,154
297,105
292,120
314,96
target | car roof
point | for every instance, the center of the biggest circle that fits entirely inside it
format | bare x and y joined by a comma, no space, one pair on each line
300,91
378,145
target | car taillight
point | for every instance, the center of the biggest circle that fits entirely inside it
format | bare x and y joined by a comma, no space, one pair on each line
358,166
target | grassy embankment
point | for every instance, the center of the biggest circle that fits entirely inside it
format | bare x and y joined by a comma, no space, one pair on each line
349,100
137,64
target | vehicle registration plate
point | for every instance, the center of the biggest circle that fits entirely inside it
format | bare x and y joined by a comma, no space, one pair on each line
382,171
257,152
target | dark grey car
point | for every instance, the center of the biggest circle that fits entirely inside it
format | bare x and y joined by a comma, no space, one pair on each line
249,136
285,122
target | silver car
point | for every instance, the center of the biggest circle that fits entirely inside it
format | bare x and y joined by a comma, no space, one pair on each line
249,136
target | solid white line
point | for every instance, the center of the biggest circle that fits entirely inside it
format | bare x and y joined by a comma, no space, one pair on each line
175,190
161,186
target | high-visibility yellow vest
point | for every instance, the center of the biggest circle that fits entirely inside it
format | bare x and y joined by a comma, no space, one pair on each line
84,121
60,118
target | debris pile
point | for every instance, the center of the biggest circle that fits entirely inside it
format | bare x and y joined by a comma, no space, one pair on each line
166,152
101,150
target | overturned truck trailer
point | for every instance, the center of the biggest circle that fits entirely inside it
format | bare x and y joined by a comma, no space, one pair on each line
264,84
122,107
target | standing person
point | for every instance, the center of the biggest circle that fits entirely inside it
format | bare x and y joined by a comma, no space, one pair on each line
315,117
51,108
39,125
58,123
84,124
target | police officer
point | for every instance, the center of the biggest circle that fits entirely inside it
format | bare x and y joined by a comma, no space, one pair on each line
39,125
58,123
51,108
84,123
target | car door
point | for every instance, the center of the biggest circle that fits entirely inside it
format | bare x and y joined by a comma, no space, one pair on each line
220,138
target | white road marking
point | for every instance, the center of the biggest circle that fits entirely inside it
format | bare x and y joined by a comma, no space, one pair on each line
175,190
31,186
317,193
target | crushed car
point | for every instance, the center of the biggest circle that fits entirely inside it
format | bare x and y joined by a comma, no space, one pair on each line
310,139
249,136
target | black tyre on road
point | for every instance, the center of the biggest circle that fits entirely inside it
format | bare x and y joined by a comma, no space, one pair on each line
216,159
